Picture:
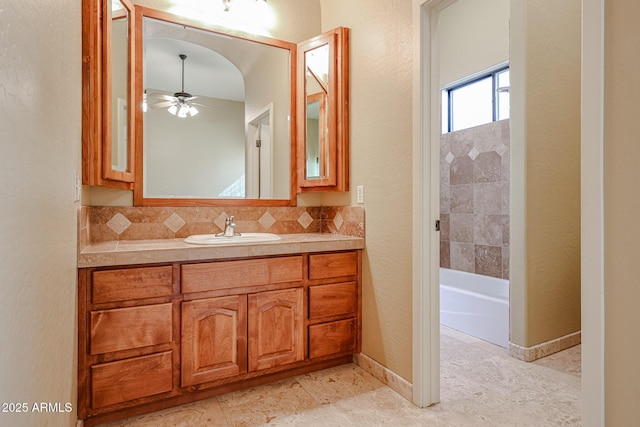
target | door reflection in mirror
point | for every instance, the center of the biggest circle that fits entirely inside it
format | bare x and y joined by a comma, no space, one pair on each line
316,89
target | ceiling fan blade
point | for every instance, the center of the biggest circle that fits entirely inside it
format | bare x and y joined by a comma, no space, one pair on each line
161,104
161,96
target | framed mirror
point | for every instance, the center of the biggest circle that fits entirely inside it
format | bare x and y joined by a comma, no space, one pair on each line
323,111
215,115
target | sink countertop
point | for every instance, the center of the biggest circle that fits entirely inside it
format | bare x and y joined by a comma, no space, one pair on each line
125,252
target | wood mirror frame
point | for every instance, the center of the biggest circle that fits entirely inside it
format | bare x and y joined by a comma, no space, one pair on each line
97,96
138,186
334,156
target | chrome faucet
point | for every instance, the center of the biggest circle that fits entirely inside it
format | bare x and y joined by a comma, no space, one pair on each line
229,228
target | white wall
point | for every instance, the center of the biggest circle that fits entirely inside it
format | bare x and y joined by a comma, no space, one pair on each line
197,156
40,128
473,36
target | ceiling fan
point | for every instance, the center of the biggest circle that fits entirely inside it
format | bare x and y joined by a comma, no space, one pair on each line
181,103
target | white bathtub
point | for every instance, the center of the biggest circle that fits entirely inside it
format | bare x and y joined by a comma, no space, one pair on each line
476,305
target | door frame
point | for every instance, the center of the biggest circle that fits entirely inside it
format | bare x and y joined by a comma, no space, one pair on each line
426,203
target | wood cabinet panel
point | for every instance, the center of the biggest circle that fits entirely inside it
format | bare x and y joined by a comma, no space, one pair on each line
127,328
131,283
214,339
332,338
237,274
130,379
332,300
326,266
276,328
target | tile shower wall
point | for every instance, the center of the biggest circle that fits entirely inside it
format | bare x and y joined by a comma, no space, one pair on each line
474,200
100,224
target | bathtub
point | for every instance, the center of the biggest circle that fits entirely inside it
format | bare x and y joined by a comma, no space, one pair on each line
476,305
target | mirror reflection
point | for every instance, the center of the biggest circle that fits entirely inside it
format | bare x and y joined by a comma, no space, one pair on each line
317,89
216,120
119,87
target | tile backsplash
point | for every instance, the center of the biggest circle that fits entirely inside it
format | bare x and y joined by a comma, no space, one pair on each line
107,223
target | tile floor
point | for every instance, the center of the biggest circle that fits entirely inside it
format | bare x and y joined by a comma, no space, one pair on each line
480,386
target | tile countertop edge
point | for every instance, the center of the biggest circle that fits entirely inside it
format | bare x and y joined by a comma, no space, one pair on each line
132,252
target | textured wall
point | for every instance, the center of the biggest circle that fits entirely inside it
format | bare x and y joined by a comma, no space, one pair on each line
474,200
381,148
545,160
40,113
622,204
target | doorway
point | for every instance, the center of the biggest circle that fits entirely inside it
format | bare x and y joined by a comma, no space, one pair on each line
426,244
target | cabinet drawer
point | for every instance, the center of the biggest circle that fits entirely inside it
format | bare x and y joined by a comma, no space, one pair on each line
332,300
325,266
130,379
131,283
236,274
332,338
127,328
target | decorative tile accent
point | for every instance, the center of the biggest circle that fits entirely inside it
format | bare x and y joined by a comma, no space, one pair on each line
119,223
449,157
266,220
502,149
305,220
174,222
338,221
473,153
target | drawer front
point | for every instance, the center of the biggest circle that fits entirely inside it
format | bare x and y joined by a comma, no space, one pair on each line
332,338
236,274
326,266
130,379
131,283
127,328
332,300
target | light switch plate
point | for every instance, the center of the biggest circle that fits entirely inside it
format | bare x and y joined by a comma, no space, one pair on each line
360,194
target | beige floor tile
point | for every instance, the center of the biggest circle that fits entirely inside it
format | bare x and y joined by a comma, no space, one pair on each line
480,386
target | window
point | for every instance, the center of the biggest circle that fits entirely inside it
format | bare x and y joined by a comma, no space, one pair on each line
476,101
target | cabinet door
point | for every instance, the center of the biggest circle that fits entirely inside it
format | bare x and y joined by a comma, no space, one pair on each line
276,328
323,112
214,339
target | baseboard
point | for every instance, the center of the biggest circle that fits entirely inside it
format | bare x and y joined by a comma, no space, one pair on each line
529,354
389,378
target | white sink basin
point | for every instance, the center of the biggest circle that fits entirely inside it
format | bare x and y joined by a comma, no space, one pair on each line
212,239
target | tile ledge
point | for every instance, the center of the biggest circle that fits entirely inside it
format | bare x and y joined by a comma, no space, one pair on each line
529,354
389,378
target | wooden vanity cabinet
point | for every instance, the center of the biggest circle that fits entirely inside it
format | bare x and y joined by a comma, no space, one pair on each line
156,336
334,304
128,346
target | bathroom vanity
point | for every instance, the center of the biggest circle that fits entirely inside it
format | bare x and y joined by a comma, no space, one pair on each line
213,320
